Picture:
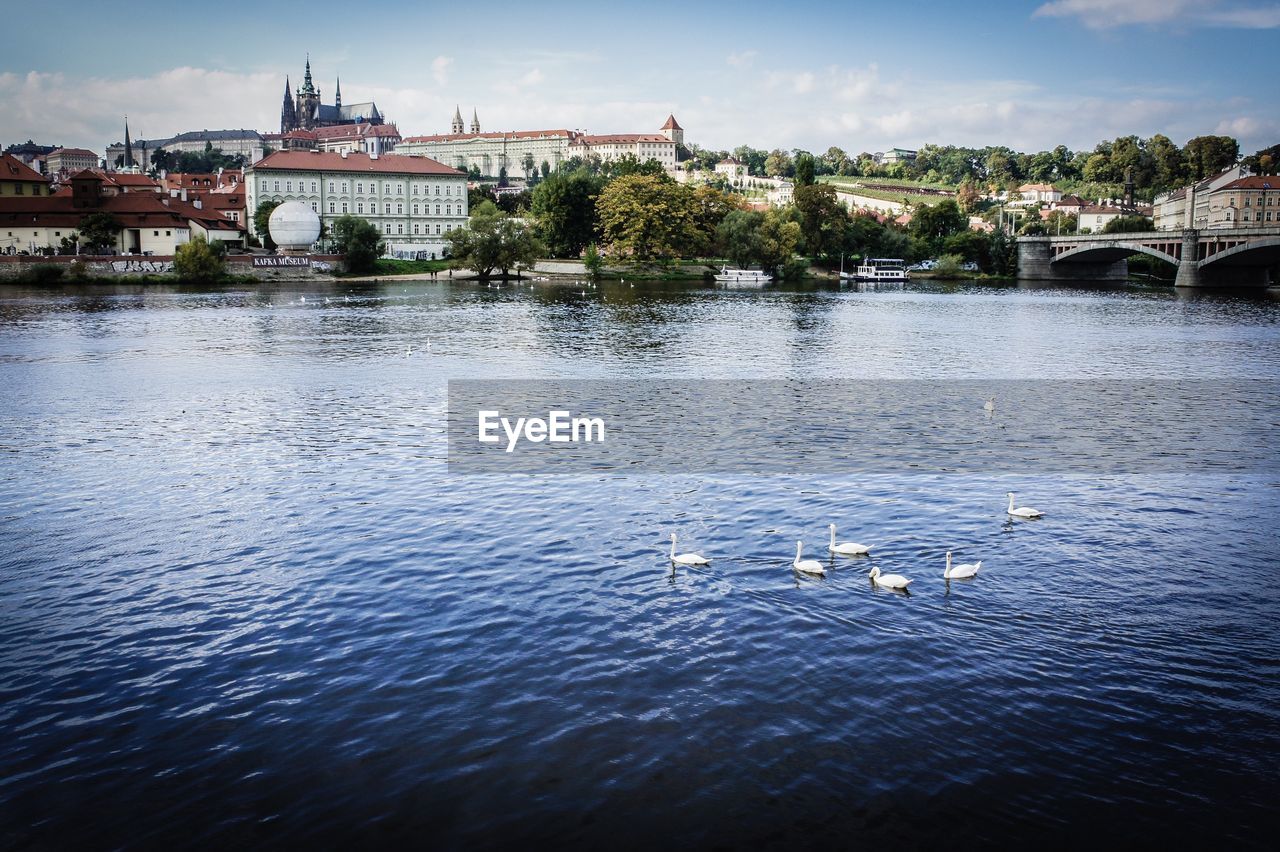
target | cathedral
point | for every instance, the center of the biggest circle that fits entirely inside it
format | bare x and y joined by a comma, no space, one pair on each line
305,112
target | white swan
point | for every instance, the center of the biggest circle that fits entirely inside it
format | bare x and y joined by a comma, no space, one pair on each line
959,572
990,406
1023,511
889,581
846,548
686,558
808,566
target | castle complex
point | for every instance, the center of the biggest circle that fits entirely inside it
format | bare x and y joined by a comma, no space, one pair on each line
304,111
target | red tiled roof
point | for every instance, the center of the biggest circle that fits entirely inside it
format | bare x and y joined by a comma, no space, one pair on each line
1036,187
1254,182
510,134
671,124
620,138
355,131
134,210
13,169
133,180
356,161
76,152
1071,201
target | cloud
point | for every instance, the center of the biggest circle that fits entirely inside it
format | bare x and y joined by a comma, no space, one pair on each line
743,59
440,69
533,78
1105,14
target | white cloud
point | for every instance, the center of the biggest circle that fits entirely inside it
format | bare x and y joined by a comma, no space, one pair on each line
1105,14
440,69
533,78
743,59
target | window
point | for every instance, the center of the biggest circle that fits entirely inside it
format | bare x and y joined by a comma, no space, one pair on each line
155,233
415,210
331,207
386,229
437,189
399,229
288,186
344,207
359,187
415,229
360,207
313,186
313,208
415,189
344,186
387,208
399,209
277,186
437,229
399,189
264,184
437,209
168,234
331,186
57,233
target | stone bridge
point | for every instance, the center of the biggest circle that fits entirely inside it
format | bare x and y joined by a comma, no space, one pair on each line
1242,257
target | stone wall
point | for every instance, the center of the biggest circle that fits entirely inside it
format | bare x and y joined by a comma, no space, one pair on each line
15,267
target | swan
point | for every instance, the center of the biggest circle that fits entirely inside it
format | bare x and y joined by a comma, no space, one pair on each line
1023,511
846,548
808,566
990,406
686,558
959,572
889,581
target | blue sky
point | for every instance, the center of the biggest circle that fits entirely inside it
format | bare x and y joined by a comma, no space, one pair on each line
805,74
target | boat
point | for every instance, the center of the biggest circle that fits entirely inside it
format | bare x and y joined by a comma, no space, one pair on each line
743,277
882,269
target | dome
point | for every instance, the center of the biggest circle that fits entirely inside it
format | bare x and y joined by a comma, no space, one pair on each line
294,226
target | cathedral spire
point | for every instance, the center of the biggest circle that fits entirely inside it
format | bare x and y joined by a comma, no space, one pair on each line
475,122
128,146
457,119
288,115
337,94
308,88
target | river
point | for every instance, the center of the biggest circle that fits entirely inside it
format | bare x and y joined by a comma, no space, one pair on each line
246,600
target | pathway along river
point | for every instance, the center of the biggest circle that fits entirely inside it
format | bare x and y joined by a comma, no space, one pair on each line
243,600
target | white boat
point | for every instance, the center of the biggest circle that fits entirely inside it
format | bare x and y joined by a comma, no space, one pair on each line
743,277
882,269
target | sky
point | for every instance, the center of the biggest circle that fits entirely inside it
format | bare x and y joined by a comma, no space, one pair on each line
801,74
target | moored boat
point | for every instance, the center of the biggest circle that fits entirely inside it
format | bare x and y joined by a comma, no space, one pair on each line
882,269
743,277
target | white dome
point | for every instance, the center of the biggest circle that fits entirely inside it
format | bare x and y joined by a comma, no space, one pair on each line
294,226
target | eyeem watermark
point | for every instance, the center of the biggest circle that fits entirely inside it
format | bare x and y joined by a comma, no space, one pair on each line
559,427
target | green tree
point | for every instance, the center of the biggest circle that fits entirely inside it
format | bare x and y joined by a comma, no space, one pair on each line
779,164
528,164
262,221
359,240
938,221
98,231
493,240
776,242
648,218
199,260
821,218
804,170
737,236
545,168
1208,155
970,245
630,164
593,261
1128,225
564,205
836,160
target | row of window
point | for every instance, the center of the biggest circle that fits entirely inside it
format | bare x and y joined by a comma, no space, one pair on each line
418,189
418,228
386,211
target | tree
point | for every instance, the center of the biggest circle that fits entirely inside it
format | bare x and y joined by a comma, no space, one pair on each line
262,221
778,164
494,240
564,205
776,241
593,261
968,197
528,165
737,236
1208,155
98,231
198,260
649,218
938,221
836,160
1264,162
804,169
630,164
359,240
545,168
1128,225
821,218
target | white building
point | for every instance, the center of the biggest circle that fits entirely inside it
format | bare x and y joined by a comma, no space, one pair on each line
1041,193
70,161
1171,207
368,138
515,150
732,171
414,201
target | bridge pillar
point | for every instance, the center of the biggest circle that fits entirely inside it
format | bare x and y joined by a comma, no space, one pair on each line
1189,264
1033,258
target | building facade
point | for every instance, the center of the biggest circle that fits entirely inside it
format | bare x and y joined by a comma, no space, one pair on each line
1234,198
70,160
521,152
415,202
19,179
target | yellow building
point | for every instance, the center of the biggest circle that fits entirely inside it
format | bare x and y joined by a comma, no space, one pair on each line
17,178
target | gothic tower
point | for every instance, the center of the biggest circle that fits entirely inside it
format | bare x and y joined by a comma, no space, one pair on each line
128,146
337,95
457,121
673,131
308,101
288,115
475,122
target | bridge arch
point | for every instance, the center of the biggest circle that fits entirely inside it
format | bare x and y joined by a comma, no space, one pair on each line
1110,251
1263,251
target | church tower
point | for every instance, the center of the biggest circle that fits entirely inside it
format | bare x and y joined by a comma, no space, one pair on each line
288,115
457,121
475,122
337,95
128,147
308,101
673,131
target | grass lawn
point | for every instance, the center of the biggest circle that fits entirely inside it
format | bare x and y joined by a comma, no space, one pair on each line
390,266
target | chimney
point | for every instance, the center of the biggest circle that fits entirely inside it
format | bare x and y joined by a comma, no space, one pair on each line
344,154
198,204
183,194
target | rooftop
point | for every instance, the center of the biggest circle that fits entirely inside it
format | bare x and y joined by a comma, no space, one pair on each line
13,169
356,161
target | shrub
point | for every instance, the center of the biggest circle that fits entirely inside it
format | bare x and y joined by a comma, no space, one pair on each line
948,266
